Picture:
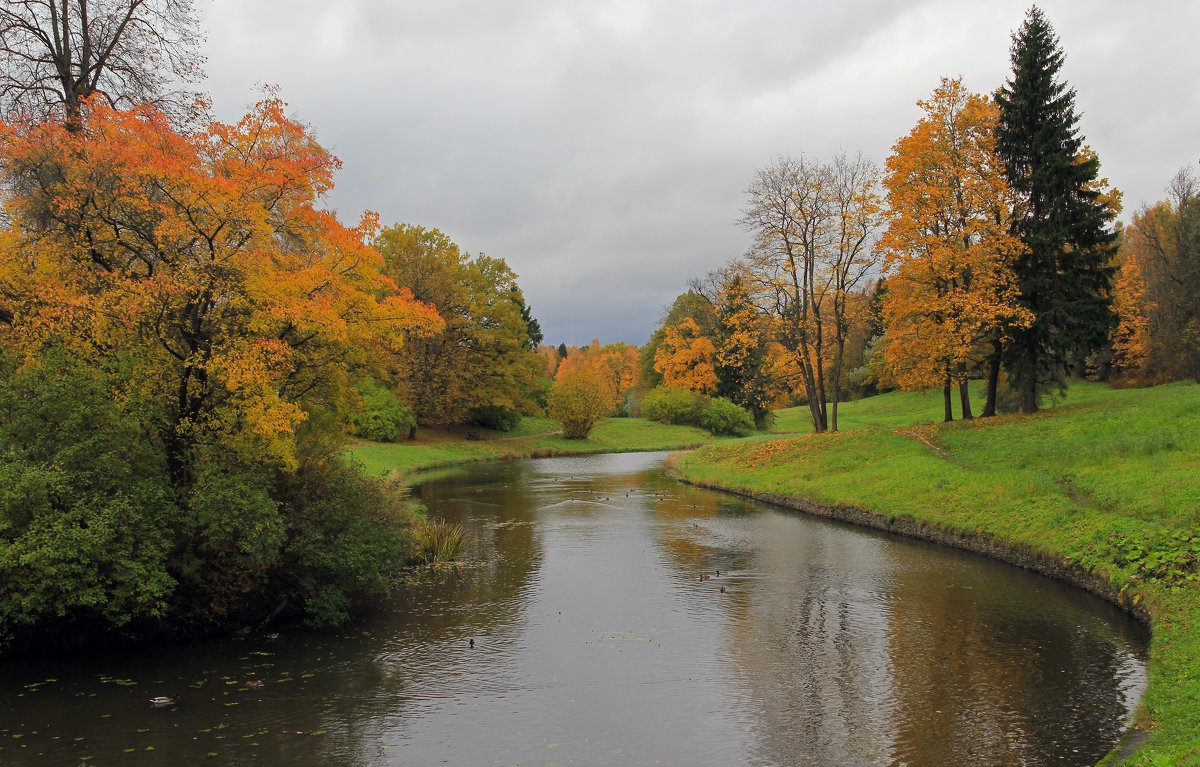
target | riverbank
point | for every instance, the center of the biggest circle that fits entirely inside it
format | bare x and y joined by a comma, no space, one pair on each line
1102,491
532,438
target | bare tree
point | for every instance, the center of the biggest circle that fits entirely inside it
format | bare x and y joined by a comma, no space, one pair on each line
857,216
56,53
814,226
788,212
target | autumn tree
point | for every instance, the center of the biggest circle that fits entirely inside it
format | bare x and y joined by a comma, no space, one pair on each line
1131,337
55,54
813,225
615,365
951,294
208,252
740,361
485,357
1158,290
579,399
1063,216
692,304
685,357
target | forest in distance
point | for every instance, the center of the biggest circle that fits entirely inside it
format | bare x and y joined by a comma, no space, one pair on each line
188,336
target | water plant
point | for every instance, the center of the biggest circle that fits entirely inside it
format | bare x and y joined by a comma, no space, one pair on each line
436,540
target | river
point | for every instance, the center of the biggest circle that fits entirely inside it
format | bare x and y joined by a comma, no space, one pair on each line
603,614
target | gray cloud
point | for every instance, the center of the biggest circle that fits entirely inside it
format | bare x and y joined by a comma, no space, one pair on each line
602,150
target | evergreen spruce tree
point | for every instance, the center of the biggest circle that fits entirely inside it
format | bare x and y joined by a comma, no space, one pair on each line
1065,273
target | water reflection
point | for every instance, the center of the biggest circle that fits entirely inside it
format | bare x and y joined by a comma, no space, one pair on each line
621,618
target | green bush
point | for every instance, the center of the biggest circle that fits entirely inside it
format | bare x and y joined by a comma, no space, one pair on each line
382,417
495,417
86,511
101,541
670,404
724,417
346,536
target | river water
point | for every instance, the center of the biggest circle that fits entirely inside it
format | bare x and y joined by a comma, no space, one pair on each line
587,624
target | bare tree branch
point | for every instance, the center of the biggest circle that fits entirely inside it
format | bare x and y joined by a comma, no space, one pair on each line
56,53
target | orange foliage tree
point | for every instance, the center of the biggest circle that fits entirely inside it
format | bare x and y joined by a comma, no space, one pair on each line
952,290
205,261
1157,296
615,365
1131,336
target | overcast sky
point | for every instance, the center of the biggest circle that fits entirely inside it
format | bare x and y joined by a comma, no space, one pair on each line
603,149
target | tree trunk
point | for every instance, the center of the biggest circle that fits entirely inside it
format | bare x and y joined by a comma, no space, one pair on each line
412,432
964,397
1029,403
964,392
948,400
993,380
837,381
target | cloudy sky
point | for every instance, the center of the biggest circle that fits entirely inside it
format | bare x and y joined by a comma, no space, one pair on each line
603,149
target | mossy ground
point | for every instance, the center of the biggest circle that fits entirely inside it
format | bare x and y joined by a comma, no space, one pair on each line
1106,479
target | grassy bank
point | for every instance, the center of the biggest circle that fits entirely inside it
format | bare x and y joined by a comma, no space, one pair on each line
1106,482
534,437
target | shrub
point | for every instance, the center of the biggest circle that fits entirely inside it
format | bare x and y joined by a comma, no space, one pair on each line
382,417
495,417
347,535
578,400
86,509
724,417
670,404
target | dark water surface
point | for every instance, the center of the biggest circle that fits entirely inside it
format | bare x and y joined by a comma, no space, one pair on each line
599,642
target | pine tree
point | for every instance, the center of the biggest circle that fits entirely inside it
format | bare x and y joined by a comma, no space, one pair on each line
1062,217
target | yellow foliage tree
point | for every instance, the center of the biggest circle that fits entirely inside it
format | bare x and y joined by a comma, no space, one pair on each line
951,290
579,399
685,358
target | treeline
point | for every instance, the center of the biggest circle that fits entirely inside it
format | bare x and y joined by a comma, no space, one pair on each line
987,247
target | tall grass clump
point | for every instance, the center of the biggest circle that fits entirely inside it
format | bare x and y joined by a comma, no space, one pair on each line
436,540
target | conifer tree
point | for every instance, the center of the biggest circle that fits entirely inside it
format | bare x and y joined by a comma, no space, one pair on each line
1062,217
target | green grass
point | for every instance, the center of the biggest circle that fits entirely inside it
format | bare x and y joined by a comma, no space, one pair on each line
899,409
1108,480
533,437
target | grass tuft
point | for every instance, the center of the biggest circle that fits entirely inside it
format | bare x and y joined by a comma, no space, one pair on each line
436,540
